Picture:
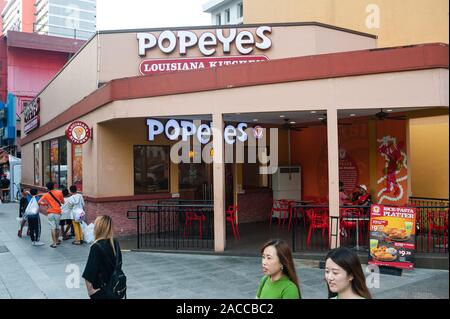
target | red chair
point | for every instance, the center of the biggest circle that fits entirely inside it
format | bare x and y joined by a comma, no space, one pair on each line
231,218
318,220
281,207
194,217
437,222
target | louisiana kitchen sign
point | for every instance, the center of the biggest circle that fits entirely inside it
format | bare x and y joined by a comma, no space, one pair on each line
156,66
220,43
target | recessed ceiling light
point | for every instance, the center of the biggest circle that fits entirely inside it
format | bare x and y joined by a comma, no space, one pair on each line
281,116
321,118
313,112
292,122
255,120
353,114
389,110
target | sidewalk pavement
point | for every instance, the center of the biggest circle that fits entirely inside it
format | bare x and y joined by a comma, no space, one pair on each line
43,272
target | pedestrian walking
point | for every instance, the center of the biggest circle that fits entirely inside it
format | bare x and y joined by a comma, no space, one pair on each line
34,220
23,203
103,272
75,203
344,275
280,279
53,200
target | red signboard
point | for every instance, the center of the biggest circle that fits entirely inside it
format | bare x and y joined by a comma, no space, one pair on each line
157,66
78,132
392,236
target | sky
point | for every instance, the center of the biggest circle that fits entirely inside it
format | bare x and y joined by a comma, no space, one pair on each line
135,14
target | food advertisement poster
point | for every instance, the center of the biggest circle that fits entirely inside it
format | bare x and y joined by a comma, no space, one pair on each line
77,166
392,236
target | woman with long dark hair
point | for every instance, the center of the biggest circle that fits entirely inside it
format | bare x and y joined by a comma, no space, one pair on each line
280,279
344,275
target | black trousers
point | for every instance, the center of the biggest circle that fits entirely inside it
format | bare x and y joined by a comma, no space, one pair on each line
34,225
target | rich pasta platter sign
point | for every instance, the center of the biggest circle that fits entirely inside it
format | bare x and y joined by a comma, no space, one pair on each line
392,236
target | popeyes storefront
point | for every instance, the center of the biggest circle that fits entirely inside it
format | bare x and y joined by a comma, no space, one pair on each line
142,92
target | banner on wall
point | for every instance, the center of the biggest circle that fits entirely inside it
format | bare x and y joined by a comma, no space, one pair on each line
77,166
392,236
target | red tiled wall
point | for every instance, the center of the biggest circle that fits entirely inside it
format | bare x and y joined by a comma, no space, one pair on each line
118,211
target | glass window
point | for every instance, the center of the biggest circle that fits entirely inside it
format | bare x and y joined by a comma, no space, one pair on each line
227,15
218,19
195,179
151,169
240,10
251,178
55,162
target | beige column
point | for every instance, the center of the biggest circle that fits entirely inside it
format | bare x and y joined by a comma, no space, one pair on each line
219,183
333,175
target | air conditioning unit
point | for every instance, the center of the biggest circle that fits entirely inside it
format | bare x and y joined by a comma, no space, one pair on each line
286,183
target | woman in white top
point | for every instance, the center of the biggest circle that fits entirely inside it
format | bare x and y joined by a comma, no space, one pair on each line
76,204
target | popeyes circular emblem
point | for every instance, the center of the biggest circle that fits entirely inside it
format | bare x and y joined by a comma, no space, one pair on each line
258,132
78,133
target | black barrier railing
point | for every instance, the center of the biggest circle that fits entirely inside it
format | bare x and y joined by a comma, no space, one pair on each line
428,201
171,225
310,233
432,229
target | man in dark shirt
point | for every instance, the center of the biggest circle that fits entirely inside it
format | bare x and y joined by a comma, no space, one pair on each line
4,185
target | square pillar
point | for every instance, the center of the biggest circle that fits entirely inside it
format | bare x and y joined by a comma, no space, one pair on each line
219,183
333,176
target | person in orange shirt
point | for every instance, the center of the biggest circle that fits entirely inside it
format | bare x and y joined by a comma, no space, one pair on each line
53,200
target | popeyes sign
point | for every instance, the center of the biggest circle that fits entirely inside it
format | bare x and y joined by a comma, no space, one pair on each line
78,133
31,115
208,43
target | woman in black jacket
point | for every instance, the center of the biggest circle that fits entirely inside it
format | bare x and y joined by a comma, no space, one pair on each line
103,257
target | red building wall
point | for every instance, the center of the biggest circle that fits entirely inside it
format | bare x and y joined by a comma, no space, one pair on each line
30,70
3,69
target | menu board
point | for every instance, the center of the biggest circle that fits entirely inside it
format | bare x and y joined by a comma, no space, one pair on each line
392,236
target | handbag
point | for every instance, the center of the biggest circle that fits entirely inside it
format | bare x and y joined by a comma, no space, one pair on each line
32,208
79,215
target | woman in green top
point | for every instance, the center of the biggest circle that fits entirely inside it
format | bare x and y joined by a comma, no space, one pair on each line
344,275
280,279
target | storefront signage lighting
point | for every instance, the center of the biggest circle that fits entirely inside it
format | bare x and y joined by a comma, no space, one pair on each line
207,42
174,129
78,133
